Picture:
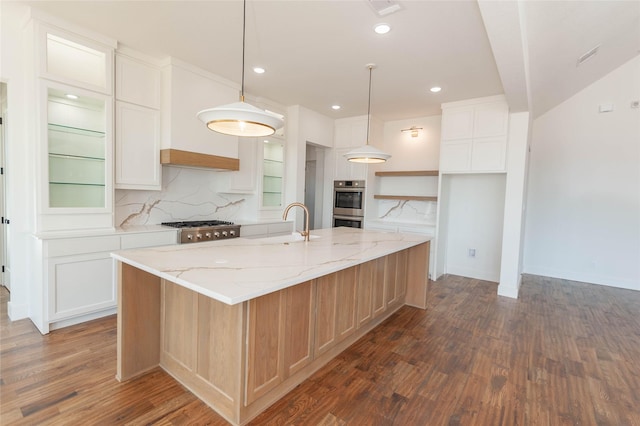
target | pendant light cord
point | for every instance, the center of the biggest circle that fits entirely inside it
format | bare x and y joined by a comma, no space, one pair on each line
244,23
369,106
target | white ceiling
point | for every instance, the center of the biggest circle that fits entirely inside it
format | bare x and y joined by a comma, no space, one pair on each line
315,52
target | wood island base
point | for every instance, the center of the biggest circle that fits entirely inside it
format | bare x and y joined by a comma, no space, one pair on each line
240,359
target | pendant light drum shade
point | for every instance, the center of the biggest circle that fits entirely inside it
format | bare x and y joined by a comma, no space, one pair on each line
367,154
241,119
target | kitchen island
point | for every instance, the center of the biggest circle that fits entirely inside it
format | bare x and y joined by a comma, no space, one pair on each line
242,322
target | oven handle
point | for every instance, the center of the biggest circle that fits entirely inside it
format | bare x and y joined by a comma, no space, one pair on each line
348,190
355,218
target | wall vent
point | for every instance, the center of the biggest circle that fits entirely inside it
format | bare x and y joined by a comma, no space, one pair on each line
582,59
384,7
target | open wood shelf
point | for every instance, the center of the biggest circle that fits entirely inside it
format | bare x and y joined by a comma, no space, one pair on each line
405,197
409,173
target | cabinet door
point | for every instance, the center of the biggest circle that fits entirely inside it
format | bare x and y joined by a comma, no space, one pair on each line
137,147
76,60
79,160
299,320
365,292
137,83
244,180
379,290
346,302
179,324
265,345
455,156
401,275
390,279
489,154
491,120
80,284
457,124
325,313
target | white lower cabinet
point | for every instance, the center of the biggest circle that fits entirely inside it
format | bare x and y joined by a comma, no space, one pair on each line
79,282
80,285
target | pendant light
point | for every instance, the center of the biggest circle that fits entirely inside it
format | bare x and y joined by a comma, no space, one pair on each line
241,118
367,154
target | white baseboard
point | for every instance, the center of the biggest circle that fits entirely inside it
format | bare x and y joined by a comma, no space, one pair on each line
473,273
83,318
580,276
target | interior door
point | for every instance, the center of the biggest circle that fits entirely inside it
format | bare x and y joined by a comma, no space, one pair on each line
3,226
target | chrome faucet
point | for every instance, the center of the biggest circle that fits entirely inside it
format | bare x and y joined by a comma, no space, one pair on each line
304,233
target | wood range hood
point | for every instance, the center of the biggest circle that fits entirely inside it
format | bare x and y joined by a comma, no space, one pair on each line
176,157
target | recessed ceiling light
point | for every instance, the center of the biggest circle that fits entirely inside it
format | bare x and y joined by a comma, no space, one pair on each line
336,107
70,96
436,89
258,70
382,28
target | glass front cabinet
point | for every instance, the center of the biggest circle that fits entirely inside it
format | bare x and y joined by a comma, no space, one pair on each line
76,132
272,173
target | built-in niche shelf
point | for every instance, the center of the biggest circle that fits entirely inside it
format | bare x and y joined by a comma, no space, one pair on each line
406,174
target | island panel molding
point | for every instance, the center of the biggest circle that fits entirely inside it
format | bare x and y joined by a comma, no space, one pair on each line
240,358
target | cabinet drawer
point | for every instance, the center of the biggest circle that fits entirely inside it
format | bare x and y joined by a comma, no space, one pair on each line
71,246
149,239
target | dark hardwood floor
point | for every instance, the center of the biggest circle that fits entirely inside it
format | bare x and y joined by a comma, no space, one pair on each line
564,353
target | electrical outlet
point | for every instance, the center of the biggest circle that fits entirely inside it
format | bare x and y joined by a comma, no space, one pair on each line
472,252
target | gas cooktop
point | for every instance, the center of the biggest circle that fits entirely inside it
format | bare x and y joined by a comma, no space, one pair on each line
194,231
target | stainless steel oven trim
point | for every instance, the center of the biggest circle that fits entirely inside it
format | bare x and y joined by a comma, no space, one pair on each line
338,187
349,218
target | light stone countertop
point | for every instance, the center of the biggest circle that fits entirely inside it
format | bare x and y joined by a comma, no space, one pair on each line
80,233
238,269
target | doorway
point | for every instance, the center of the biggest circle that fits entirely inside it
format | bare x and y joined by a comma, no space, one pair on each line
3,225
314,184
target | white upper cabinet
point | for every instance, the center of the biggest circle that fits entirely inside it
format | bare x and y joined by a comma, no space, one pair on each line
474,135
137,147
73,74
75,60
138,125
137,82
458,124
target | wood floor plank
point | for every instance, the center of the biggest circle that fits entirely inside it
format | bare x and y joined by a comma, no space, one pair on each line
563,353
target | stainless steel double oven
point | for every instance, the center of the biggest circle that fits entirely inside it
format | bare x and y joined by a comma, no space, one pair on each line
348,203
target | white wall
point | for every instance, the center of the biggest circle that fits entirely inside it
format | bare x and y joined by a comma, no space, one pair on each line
20,151
408,153
514,213
583,218
475,210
